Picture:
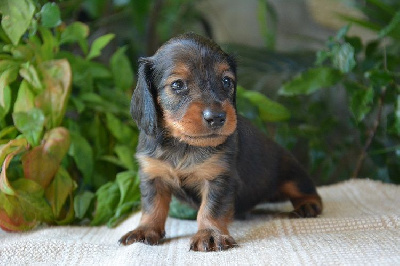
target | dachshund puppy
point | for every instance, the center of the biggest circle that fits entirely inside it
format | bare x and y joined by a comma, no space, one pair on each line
195,146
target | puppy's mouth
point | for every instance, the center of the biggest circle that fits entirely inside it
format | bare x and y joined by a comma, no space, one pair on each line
203,140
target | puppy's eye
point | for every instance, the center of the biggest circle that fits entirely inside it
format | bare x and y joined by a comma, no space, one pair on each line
178,85
227,83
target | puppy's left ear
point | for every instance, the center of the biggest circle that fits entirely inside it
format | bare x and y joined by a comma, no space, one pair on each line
143,106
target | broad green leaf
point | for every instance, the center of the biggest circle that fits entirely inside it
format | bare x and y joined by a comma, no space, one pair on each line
82,153
342,32
53,100
108,197
8,73
30,124
360,103
395,119
57,194
343,57
32,201
50,15
181,210
380,78
98,45
310,81
128,183
125,155
42,162
25,99
12,216
123,211
77,32
29,73
7,153
5,101
82,203
11,146
10,132
121,70
49,47
16,17
268,110
393,25
123,133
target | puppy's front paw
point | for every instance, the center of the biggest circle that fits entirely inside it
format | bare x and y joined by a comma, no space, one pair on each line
306,210
211,240
146,235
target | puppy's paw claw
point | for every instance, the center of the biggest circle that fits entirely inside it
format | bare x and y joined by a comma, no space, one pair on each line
148,236
211,240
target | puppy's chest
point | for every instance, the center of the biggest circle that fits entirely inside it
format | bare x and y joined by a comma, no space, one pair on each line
186,170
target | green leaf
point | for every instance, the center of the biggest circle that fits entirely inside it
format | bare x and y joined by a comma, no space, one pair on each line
29,73
8,73
343,57
59,191
30,124
16,17
77,32
311,81
393,25
380,78
395,118
50,15
125,155
128,184
25,99
121,70
32,201
360,103
108,197
123,133
268,110
82,153
10,132
57,77
42,162
82,203
342,32
181,210
7,153
98,45
5,101
12,216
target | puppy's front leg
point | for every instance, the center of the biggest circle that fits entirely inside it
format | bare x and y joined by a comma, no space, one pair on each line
156,197
215,213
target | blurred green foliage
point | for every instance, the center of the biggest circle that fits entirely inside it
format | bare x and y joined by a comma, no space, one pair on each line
350,118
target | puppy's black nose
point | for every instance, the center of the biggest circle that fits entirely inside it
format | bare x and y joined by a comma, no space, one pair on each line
214,119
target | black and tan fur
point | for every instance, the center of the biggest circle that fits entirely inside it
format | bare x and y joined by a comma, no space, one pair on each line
195,146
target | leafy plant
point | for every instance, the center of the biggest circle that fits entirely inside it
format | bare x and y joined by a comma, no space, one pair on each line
59,120
367,75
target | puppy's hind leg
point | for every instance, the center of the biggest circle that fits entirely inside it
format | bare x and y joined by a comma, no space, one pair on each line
298,187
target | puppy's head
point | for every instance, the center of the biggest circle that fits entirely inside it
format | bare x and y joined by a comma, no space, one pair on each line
187,88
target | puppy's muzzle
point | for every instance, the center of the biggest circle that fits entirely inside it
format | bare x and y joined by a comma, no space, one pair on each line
214,119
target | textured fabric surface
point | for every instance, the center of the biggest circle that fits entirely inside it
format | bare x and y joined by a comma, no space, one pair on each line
359,226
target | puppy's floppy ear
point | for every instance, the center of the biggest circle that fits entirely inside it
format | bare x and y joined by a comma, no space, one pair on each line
143,107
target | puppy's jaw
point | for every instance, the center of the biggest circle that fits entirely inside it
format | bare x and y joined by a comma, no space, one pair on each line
192,129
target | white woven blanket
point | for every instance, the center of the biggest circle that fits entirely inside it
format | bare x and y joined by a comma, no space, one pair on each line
360,225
